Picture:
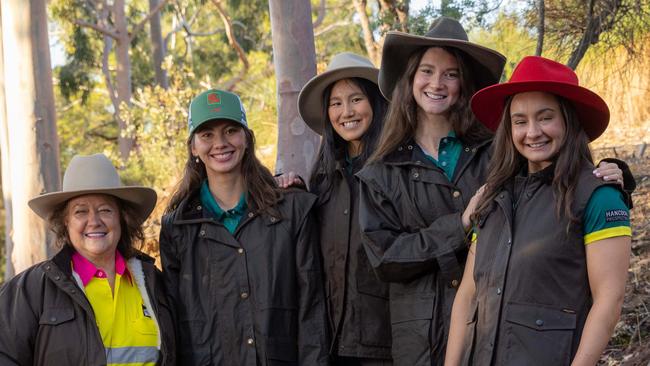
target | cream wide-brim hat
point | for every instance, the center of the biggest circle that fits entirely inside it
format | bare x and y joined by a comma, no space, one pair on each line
344,65
94,174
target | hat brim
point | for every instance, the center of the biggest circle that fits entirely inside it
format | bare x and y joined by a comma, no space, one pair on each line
142,199
488,104
310,100
487,64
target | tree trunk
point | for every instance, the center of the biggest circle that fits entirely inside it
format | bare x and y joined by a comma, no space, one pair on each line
295,63
6,167
158,46
368,38
540,28
122,77
33,146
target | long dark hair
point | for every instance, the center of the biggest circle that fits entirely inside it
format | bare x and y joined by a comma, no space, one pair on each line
333,147
401,119
506,162
263,192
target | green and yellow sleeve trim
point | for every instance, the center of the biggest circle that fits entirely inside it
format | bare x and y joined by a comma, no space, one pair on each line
611,232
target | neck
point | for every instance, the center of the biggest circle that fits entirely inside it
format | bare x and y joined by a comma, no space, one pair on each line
107,264
430,130
226,189
354,149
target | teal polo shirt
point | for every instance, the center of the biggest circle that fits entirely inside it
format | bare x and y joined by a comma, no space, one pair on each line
449,151
229,218
606,215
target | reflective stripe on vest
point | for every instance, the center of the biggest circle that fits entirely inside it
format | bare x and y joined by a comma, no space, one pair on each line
138,355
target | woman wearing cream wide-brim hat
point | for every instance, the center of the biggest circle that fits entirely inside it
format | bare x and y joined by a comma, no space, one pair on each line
431,158
344,105
98,301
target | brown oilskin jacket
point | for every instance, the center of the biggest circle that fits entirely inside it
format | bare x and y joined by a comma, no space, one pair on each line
45,318
357,300
532,288
250,298
410,215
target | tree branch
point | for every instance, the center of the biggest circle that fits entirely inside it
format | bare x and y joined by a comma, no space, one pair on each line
330,27
233,42
105,31
368,38
540,28
321,14
108,45
144,21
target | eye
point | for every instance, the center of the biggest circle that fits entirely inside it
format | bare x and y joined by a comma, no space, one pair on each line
230,130
205,134
105,210
518,121
452,75
357,99
426,70
335,104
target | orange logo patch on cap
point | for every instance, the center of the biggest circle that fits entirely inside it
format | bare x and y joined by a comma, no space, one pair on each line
214,98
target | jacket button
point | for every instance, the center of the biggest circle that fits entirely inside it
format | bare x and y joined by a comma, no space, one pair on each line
57,278
48,267
240,251
400,148
474,150
418,162
345,212
454,283
202,233
199,208
539,322
467,149
273,219
499,291
53,319
244,295
415,175
250,214
456,194
250,341
410,147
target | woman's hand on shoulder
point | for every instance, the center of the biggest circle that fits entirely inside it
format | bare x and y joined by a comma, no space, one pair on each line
471,207
290,179
609,172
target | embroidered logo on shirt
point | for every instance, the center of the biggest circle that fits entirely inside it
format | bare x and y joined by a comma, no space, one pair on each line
145,311
616,215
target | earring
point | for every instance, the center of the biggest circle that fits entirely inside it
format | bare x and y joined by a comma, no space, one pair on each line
197,160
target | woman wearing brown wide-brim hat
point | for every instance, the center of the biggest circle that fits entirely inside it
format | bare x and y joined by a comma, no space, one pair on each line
431,158
98,301
545,281
344,105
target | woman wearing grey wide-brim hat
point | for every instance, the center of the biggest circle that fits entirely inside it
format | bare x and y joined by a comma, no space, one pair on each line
99,300
430,159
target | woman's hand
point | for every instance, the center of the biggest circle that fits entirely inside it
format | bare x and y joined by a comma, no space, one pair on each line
609,172
291,179
471,207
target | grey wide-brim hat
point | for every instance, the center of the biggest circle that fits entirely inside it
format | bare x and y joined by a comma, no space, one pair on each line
342,66
486,64
94,174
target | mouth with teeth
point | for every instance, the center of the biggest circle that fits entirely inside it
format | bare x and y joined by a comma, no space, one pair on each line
537,145
223,156
435,96
95,235
348,125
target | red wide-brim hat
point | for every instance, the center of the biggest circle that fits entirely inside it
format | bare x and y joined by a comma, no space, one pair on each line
534,73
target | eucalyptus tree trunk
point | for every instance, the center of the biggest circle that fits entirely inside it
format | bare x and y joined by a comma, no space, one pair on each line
6,167
33,142
295,63
157,45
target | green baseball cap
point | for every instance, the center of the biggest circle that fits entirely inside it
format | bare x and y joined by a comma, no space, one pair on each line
216,104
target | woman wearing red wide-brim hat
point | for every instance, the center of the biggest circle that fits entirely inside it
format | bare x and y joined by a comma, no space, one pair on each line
545,279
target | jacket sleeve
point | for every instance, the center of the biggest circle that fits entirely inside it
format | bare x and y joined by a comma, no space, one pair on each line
312,330
170,267
398,254
18,322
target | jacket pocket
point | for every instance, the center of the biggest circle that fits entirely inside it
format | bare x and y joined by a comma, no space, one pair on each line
367,281
56,316
281,351
375,321
411,331
538,335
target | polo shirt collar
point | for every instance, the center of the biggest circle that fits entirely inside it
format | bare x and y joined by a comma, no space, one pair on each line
213,207
86,270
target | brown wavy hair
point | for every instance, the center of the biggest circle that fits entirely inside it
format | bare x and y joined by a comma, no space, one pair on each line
262,191
132,235
506,162
401,119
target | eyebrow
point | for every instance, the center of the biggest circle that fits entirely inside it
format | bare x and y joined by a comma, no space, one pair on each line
432,66
536,113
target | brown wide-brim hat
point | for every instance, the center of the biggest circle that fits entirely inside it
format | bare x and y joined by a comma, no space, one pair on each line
94,174
486,64
342,66
534,73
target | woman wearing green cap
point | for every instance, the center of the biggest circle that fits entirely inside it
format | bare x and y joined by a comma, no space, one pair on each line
344,106
240,256
430,159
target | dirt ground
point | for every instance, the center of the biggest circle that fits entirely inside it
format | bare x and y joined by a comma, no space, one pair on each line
630,344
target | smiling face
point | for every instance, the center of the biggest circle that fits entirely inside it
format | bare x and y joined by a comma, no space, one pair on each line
350,113
538,128
220,145
93,224
436,83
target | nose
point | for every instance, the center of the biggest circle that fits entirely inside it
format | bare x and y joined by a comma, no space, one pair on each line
436,80
533,130
93,218
348,109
